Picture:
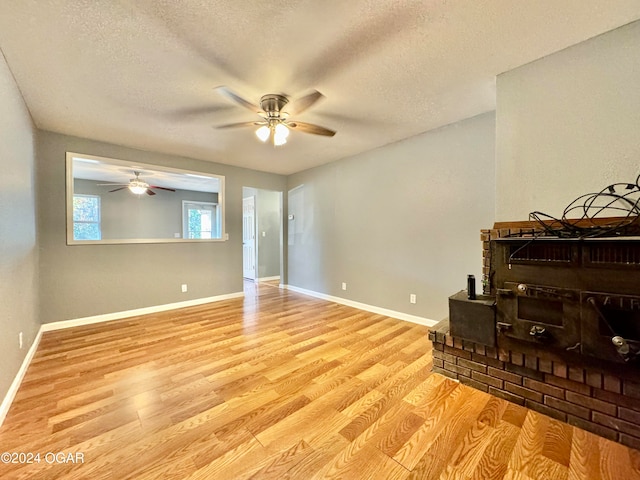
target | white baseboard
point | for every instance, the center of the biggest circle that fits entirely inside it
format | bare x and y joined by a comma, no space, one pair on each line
15,385
46,327
363,306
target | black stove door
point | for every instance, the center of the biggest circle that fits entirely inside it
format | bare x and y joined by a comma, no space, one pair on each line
539,314
610,326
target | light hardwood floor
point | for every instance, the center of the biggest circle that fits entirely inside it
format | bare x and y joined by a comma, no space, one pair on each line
277,386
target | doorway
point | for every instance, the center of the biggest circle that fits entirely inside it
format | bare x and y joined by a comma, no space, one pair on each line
262,235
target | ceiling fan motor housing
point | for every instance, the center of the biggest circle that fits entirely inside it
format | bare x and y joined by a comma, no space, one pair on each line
273,103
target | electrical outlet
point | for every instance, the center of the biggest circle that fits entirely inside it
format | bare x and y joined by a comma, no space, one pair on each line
412,298
20,340
344,285
184,287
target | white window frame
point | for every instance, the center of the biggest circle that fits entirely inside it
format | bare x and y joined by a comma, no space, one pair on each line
215,221
99,222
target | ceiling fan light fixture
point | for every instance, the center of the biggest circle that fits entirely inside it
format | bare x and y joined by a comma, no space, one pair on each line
280,134
138,187
263,133
282,130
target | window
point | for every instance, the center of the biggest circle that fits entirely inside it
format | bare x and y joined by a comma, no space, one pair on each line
200,220
86,217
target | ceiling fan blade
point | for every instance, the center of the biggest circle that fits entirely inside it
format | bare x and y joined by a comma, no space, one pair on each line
310,128
301,104
227,93
198,111
112,184
150,192
121,188
163,188
241,124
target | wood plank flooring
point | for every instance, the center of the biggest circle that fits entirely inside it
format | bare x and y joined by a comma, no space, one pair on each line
276,386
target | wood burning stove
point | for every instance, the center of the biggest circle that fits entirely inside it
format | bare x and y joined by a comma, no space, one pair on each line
580,296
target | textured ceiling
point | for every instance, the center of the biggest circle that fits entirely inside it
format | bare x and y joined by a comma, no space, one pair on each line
142,73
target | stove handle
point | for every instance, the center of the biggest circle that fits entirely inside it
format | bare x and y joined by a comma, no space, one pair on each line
503,326
621,345
538,332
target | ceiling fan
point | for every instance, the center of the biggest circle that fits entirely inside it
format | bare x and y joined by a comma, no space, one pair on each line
275,124
136,186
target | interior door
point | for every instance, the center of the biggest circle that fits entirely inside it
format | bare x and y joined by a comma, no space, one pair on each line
249,238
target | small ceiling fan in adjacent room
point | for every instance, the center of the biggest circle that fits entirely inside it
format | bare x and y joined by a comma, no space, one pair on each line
136,186
275,124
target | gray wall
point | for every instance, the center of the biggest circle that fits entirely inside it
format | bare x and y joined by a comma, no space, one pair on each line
401,219
126,216
568,125
18,241
83,280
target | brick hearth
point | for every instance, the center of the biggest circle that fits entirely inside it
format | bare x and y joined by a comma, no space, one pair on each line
590,398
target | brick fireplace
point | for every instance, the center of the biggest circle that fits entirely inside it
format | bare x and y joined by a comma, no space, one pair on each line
544,335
